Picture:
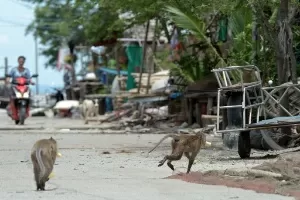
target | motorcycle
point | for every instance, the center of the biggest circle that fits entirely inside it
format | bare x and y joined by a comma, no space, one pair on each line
20,103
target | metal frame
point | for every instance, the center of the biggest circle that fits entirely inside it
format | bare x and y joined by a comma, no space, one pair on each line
272,99
231,79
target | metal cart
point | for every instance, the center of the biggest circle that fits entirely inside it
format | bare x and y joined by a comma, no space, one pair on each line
248,104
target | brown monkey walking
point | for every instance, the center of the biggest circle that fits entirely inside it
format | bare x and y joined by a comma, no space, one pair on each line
43,156
189,145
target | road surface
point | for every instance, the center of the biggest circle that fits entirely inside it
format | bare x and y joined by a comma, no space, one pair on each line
124,172
44,123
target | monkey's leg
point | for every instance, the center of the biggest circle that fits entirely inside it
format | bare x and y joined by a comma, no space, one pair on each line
36,170
170,158
162,161
191,161
187,154
42,186
173,146
49,167
170,165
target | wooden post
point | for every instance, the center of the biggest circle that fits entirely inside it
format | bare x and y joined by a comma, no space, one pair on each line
199,114
185,107
153,55
118,64
73,73
144,56
5,66
190,111
209,106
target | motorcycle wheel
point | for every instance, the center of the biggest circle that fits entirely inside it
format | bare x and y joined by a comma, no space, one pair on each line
22,115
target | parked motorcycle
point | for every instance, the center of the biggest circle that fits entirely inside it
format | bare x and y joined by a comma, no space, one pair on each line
58,95
20,105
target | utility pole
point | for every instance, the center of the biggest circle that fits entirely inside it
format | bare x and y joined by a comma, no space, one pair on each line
36,64
5,66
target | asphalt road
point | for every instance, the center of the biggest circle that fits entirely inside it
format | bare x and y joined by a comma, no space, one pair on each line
84,172
44,123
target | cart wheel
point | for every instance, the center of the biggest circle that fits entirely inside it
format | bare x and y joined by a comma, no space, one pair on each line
244,145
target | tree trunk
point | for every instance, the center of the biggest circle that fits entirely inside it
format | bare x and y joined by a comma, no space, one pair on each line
285,56
144,56
95,62
165,28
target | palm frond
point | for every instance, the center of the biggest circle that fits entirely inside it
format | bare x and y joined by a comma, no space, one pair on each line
187,21
196,25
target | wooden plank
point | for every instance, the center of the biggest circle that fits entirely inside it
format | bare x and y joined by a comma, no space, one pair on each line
190,111
199,115
209,106
211,117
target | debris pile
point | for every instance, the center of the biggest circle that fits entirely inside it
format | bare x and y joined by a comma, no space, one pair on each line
287,167
132,116
283,173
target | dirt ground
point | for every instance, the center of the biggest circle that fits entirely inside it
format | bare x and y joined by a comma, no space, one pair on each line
286,165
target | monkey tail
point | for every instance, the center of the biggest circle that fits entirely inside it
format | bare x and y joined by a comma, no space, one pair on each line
165,137
41,164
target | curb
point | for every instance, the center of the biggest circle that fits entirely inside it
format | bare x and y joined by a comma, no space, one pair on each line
24,128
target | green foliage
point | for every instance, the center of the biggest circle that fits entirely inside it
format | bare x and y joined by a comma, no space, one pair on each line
87,22
54,24
189,69
193,23
98,22
240,23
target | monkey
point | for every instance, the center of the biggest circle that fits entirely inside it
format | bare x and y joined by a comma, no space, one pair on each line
89,109
186,144
43,156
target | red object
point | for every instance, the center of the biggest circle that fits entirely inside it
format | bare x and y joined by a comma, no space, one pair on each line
179,46
203,109
21,85
64,112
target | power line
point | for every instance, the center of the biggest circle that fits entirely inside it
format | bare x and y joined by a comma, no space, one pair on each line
22,4
16,24
11,26
11,22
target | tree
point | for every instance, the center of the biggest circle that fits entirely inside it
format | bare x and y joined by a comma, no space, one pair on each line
98,22
138,12
54,24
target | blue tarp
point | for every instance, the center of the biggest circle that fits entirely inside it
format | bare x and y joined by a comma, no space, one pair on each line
112,71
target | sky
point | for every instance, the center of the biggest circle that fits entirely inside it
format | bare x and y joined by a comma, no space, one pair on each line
14,43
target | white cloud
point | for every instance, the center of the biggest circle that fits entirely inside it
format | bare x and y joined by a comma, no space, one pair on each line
4,39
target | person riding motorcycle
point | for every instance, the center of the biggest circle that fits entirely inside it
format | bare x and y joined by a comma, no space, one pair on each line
14,73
